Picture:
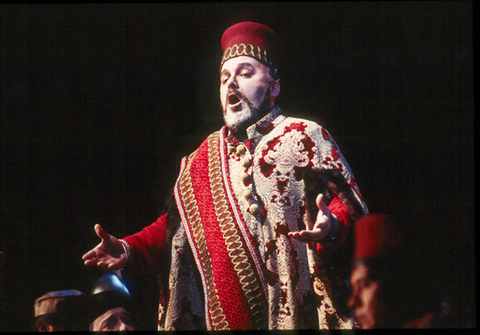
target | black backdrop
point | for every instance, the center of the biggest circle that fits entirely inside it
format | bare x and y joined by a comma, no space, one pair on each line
100,101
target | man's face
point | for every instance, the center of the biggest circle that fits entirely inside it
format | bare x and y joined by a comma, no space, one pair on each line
115,319
245,92
365,298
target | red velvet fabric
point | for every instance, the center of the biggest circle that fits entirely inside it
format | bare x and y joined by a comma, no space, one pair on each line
227,285
255,34
338,208
148,246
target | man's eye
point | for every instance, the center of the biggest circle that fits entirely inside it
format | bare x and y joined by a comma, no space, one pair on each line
246,74
110,324
366,283
224,79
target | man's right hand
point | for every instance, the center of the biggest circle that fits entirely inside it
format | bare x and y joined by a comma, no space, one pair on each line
108,254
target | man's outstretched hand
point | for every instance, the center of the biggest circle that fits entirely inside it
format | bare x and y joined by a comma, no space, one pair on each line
321,227
108,254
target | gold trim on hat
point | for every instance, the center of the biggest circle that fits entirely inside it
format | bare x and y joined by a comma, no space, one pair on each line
250,50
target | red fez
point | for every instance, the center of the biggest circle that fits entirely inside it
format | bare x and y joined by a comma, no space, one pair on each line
251,39
375,236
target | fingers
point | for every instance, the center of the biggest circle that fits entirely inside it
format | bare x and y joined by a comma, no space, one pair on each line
90,262
322,207
88,255
296,235
300,235
109,264
114,266
306,235
101,232
320,228
102,256
103,264
319,201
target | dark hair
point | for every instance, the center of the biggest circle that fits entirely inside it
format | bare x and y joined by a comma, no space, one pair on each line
274,73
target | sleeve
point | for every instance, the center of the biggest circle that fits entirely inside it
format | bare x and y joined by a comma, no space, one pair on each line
340,226
331,159
346,202
147,248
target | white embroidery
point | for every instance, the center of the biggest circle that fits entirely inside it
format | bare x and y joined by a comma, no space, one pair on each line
288,153
185,302
275,163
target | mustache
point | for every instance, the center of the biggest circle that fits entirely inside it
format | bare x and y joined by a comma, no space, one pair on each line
239,94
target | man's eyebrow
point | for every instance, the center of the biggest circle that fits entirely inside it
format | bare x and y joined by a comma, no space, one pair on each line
245,65
107,321
239,67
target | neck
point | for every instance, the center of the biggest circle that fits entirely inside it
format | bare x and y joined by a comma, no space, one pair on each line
241,133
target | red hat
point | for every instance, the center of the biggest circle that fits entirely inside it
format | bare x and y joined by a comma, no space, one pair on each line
251,39
375,236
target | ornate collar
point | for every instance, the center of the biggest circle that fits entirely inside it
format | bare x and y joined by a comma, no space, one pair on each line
265,124
261,128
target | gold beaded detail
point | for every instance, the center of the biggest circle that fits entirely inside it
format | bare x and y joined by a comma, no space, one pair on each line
250,50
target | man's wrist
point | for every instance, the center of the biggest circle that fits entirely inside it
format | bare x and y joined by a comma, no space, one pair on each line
332,236
127,250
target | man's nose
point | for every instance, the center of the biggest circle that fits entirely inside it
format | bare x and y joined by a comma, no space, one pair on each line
126,326
232,82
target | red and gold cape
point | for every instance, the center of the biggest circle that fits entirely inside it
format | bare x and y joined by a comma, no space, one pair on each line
230,268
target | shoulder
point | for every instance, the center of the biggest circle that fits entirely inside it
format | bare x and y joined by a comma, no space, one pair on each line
306,126
293,119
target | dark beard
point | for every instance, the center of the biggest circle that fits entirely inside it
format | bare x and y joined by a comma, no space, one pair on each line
257,113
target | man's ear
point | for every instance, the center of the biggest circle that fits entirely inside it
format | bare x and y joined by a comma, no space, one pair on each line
275,89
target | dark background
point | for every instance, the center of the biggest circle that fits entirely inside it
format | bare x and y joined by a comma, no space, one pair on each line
99,102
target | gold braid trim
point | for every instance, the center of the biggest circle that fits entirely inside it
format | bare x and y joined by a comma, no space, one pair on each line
247,50
231,234
191,208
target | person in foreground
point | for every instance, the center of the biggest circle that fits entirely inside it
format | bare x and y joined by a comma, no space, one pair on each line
63,310
111,304
256,234
389,288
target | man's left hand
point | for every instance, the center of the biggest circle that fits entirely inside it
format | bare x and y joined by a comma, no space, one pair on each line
321,228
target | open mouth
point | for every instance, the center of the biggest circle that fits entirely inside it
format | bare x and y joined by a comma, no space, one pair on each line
233,100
